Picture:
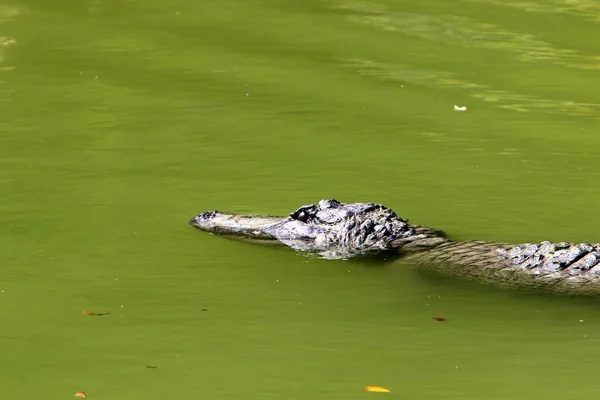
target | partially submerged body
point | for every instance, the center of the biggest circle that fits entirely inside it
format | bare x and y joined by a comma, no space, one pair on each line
337,230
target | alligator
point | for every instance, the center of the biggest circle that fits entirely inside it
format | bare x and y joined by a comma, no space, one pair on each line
335,230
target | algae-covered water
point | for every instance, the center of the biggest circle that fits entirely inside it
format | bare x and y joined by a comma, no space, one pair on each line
120,120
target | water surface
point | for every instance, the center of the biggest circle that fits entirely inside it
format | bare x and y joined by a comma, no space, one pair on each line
121,120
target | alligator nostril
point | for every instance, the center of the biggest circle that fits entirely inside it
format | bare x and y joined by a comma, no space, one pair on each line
208,214
205,216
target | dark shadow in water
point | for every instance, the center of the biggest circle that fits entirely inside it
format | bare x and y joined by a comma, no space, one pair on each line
378,259
434,278
456,283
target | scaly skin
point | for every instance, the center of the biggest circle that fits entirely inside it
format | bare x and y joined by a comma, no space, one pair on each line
337,230
560,267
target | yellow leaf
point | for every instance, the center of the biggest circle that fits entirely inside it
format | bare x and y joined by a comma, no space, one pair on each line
376,389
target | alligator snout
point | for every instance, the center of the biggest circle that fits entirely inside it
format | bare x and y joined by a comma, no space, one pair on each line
251,226
200,220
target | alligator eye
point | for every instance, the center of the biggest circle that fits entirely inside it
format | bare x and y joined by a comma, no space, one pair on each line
302,216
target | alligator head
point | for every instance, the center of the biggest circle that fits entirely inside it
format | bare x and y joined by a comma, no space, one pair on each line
330,228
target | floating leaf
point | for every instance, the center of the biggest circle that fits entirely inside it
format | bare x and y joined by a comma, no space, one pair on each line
93,314
81,394
376,389
438,319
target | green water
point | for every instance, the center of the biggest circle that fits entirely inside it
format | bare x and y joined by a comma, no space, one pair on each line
121,120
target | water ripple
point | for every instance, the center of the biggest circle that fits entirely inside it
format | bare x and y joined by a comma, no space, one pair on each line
465,32
588,9
501,98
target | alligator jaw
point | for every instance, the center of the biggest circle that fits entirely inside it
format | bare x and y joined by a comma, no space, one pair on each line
250,226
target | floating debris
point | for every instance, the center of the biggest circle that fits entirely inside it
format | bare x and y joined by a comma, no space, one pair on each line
376,389
460,108
81,394
151,366
438,319
93,314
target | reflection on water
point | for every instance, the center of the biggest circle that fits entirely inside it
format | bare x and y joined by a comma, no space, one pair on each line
501,98
95,6
462,31
5,42
6,13
588,9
